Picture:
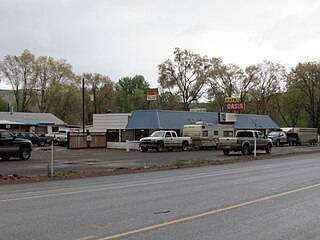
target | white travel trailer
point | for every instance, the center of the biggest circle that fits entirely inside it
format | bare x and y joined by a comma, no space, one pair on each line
206,135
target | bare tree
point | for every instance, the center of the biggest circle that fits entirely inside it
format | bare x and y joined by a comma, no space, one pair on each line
185,76
225,81
269,76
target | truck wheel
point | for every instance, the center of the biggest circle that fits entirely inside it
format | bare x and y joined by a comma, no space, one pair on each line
269,147
226,152
144,149
184,146
5,157
160,147
245,150
41,143
25,153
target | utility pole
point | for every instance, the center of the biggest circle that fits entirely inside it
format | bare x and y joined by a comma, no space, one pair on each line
83,121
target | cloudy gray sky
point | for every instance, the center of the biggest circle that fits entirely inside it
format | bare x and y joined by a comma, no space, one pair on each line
127,37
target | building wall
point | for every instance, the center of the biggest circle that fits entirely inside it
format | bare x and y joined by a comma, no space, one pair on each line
102,122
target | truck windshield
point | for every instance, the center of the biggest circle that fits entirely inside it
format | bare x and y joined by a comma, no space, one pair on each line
157,134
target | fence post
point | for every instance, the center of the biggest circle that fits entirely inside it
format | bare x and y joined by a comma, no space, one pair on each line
127,146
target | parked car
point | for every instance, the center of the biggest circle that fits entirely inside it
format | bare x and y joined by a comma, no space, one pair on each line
278,138
61,137
11,146
34,138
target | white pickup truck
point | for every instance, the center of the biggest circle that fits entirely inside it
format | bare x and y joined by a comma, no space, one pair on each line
244,142
161,140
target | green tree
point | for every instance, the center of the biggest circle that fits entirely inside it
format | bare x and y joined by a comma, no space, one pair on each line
290,108
3,105
131,93
19,72
170,101
49,72
306,78
102,90
186,75
66,102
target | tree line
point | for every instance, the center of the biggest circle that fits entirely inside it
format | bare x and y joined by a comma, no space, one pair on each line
189,80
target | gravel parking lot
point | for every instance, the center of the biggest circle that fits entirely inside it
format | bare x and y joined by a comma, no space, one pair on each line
82,160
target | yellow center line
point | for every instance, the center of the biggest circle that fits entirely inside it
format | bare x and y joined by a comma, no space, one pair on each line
208,213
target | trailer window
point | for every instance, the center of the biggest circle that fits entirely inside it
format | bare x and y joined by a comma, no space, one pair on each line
228,133
216,133
205,134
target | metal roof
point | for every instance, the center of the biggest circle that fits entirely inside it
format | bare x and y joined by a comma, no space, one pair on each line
165,119
32,118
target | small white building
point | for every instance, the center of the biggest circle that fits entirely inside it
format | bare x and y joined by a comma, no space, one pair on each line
114,124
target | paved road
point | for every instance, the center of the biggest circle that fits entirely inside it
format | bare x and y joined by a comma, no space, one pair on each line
273,199
88,159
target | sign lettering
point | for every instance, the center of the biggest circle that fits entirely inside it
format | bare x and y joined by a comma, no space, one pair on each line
235,106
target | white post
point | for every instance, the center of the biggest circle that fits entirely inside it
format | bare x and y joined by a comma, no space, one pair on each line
127,146
255,145
51,158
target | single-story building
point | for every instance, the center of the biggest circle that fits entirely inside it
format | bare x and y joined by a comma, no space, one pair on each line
144,122
40,123
132,126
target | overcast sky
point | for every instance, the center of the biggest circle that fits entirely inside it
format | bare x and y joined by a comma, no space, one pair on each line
121,38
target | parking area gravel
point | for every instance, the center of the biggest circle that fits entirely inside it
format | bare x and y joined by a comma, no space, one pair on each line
84,160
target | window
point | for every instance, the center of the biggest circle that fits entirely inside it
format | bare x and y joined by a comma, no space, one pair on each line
205,134
174,134
6,135
168,134
216,133
127,135
228,133
260,135
244,134
113,135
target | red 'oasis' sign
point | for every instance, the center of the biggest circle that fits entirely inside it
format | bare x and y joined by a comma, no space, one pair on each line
235,106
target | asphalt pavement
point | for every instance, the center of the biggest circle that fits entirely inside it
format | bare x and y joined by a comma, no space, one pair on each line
274,199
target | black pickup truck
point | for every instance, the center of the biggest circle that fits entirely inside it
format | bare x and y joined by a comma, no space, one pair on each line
10,146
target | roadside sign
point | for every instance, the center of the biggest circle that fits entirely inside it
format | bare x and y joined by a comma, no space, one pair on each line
231,99
152,94
235,106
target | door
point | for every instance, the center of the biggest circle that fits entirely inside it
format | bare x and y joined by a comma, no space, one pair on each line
168,140
260,141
